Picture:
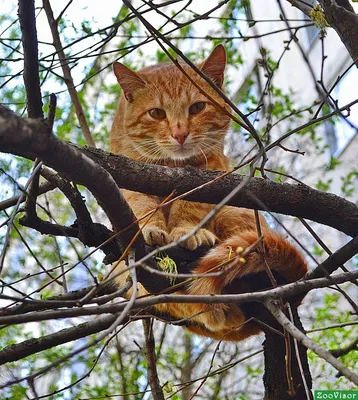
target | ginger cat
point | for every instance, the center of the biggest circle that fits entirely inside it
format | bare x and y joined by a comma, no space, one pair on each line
162,118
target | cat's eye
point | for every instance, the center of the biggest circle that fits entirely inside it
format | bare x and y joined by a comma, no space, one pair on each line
157,113
196,108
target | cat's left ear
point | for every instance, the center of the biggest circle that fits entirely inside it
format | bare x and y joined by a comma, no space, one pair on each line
214,65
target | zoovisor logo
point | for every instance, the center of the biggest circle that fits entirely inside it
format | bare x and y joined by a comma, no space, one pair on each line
336,394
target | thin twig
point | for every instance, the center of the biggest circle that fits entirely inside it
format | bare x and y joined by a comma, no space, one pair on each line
13,215
345,350
284,291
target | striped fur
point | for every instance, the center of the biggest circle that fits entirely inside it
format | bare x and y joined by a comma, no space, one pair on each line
196,139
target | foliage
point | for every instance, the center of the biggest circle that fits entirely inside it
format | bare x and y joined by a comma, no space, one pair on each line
118,367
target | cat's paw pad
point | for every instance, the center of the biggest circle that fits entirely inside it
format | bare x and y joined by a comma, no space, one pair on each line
155,236
201,238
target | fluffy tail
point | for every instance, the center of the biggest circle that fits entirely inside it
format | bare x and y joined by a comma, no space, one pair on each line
238,257
241,255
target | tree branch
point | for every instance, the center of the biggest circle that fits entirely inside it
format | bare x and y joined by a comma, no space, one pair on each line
296,200
12,201
32,346
284,291
341,16
345,350
19,136
151,358
335,260
275,354
302,6
31,64
345,22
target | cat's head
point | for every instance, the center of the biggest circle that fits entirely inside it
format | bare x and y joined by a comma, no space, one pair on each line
166,117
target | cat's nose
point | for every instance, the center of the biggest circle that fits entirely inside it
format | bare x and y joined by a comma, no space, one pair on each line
180,136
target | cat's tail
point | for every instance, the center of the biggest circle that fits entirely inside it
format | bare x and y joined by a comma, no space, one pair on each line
244,255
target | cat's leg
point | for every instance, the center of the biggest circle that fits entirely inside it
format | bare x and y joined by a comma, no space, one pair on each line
230,221
154,227
183,218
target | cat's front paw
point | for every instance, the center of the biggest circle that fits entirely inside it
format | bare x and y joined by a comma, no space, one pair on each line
155,236
201,238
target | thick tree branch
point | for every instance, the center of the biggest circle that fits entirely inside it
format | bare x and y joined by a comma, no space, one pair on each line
31,64
344,21
341,16
297,200
275,352
33,346
31,139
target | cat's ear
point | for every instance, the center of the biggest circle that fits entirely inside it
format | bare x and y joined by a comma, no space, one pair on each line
214,65
128,80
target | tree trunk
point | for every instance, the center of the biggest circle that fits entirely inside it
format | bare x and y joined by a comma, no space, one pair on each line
275,377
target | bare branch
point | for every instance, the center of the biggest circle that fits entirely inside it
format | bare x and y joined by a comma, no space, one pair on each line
31,63
33,346
335,260
345,350
344,21
210,187
341,16
285,291
43,188
301,5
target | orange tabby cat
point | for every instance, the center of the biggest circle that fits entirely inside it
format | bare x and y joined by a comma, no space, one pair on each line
162,118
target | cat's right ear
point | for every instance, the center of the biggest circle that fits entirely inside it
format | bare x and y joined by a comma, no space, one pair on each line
128,80
214,65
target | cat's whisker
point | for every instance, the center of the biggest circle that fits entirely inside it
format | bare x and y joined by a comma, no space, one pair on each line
216,150
206,160
155,154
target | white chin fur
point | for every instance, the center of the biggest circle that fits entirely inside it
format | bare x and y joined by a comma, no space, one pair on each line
182,155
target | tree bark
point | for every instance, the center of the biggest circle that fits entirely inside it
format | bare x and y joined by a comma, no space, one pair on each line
275,376
341,16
